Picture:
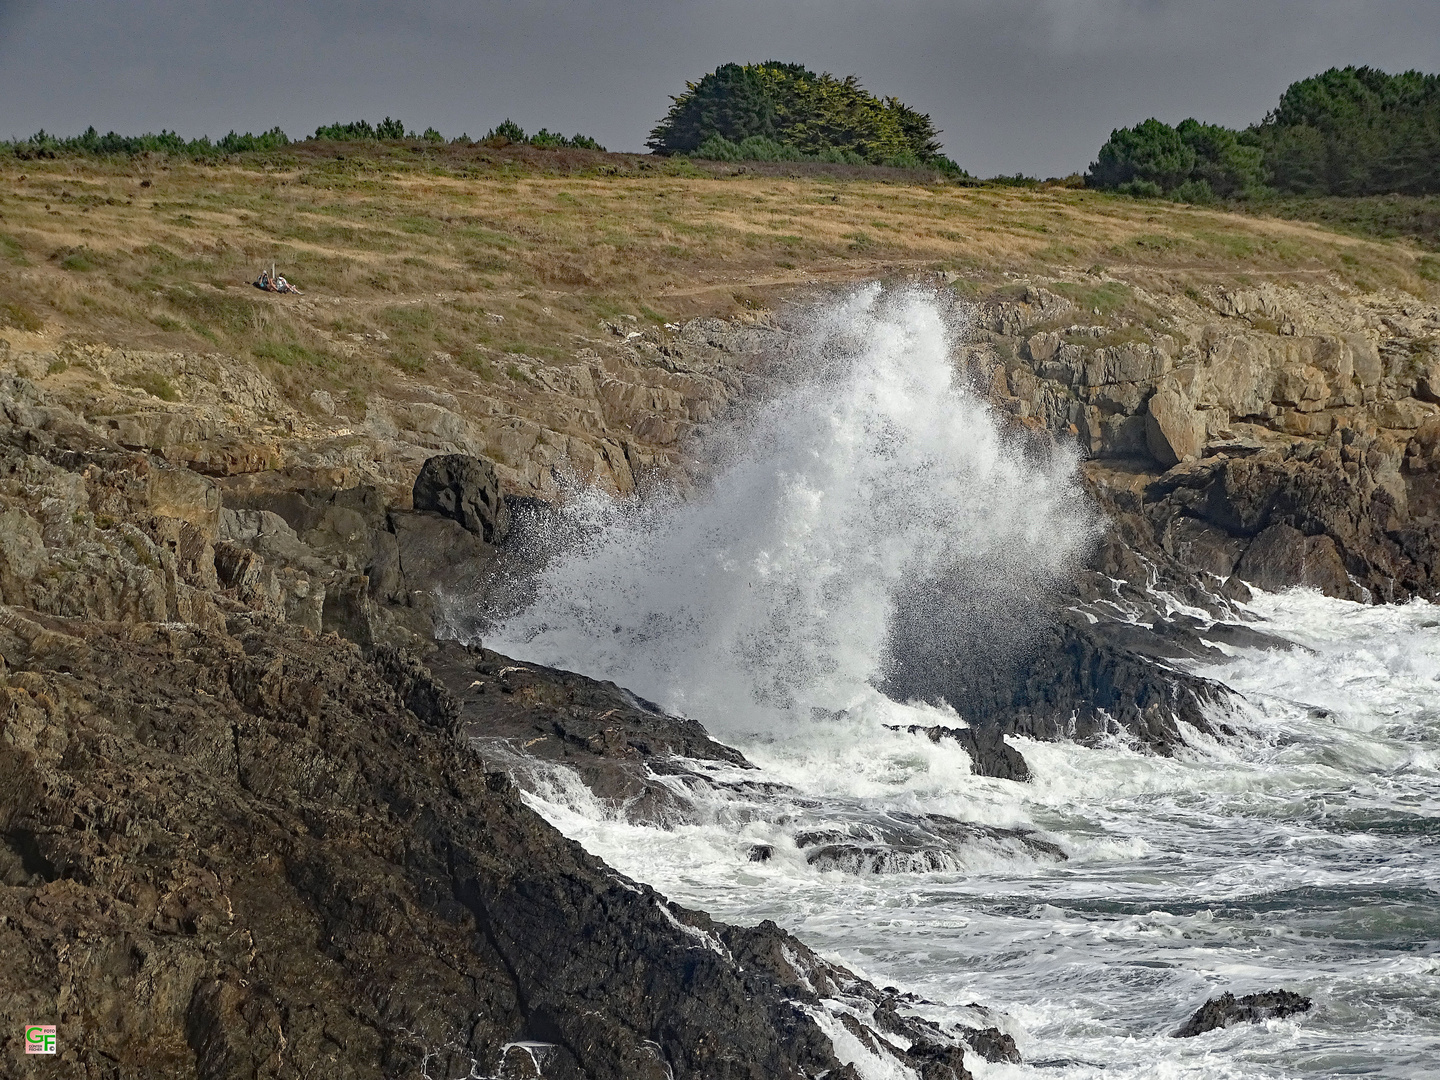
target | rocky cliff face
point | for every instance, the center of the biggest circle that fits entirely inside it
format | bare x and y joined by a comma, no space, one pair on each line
1270,436
617,413
1277,434
251,851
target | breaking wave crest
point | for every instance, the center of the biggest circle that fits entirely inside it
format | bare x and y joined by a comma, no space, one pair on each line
768,597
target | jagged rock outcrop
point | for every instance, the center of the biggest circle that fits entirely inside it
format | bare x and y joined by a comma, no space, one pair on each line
614,414
1227,1009
251,851
1306,407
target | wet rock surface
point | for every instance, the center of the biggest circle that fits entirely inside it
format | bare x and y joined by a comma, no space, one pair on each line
530,720
1227,1009
917,843
990,754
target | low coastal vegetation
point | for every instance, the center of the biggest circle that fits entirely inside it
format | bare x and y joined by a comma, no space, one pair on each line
91,143
416,251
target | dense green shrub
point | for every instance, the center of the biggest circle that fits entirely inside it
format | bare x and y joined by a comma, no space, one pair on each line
1193,162
508,132
1347,131
1355,131
761,148
789,105
363,129
44,145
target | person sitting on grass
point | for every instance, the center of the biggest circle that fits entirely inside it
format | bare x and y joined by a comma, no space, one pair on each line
263,282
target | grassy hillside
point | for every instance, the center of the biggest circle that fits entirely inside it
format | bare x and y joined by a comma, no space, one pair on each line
418,257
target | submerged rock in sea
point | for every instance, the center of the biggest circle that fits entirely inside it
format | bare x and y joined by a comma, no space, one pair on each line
1227,1009
903,843
990,754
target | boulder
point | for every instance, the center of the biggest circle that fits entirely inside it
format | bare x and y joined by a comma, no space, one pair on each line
1407,413
1227,1009
186,496
1202,546
1043,346
1283,556
1174,431
992,1044
1427,388
1366,360
466,489
22,547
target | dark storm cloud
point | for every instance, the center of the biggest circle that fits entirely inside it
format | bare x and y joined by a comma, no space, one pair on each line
1026,85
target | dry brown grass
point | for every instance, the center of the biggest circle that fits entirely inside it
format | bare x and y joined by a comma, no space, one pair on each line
405,262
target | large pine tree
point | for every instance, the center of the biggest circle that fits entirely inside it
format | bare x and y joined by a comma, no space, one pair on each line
791,105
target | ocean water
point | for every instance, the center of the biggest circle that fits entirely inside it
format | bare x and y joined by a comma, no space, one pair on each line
1301,854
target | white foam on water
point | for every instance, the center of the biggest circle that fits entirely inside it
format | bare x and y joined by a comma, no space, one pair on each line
769,596
1302,855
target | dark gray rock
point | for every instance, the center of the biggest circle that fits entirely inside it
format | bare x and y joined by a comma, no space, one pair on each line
521,715
1227,1009
466,489
1202,546
903,843
990,754
1282,556
1070,679
226,850
993,1045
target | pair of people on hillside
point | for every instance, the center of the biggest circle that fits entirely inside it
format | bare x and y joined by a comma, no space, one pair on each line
275,284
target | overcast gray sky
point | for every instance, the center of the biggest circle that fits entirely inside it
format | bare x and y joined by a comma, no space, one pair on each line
1017,85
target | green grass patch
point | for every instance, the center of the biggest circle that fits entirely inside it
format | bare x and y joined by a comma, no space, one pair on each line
1107,297
409,317
79,260
12,250
154,384
21,317
224,315
292,354
1378,217
1157,243
407,359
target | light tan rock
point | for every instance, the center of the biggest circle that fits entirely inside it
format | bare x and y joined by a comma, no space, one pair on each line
1174,431
1427,387
1366,360
1406,414
22,547
186,496
1042,347
1241,379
